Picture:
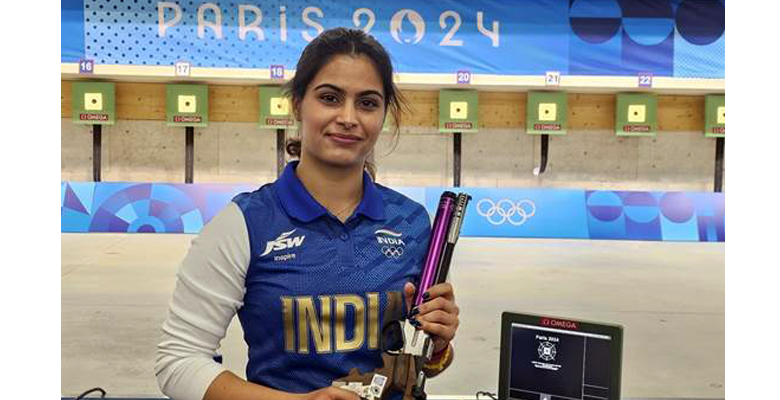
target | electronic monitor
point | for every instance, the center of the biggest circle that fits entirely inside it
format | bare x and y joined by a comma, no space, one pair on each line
552,358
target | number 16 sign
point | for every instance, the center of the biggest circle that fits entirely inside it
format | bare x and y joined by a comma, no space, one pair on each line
86,66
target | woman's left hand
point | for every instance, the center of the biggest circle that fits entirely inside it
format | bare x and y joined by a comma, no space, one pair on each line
437,315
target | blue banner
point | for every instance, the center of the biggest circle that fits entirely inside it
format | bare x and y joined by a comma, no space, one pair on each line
673,38
669,216
142,207
520,212
492,212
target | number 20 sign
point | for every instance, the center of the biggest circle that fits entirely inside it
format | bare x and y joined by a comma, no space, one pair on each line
464,77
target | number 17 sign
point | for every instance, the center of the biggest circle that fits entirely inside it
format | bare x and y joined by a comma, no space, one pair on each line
183,68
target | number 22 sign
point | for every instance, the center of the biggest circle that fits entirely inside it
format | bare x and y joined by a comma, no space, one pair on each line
645,80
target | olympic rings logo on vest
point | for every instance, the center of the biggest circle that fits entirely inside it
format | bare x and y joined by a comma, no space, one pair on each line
392,251
505,210
392,243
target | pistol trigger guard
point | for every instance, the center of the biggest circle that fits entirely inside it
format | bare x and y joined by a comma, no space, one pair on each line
392,340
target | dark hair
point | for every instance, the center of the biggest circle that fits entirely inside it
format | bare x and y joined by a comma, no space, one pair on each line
352,42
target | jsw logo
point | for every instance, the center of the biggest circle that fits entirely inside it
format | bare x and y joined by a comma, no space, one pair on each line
283,242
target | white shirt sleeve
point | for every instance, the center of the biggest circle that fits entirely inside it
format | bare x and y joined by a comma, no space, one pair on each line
210,287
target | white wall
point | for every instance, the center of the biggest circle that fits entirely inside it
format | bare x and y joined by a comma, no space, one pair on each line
240,152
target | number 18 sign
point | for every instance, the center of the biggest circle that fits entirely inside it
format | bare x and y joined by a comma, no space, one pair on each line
277,72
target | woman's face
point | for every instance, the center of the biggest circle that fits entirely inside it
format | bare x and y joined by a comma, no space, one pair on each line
342,112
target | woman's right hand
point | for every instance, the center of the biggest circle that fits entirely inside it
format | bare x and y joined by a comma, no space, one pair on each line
331,393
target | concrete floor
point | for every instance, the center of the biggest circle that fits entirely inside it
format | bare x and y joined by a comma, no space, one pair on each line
670,298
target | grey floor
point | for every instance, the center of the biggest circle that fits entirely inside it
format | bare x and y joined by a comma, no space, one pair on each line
668,296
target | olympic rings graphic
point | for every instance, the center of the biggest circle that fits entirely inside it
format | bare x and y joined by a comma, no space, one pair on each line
506,210
391,251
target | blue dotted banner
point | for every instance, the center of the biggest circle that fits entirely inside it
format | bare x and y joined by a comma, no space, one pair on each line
668,216
142,207
521,213
673,38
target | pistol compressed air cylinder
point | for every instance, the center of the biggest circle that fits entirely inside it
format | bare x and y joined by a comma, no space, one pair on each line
436,245
417,342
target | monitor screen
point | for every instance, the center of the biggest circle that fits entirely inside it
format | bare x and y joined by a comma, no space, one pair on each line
559,359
